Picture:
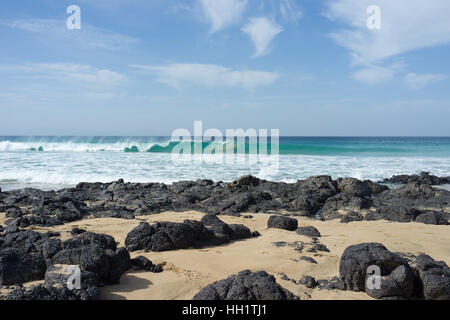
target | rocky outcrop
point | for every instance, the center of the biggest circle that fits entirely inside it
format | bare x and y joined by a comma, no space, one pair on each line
165,236
358,258
19,266
246,285
28,256
422,178
418,277
319,195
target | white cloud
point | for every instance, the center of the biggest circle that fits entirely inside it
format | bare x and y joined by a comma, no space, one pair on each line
63,72
418,81
222,13
373,75
290,11
56,30
406,25
262,31
208,75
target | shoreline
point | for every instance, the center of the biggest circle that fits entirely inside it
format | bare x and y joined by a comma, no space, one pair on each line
233,231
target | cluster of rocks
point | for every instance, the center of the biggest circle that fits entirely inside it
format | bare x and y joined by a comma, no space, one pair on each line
246,285
402,276
347,199
291,224
30,256
422,178
310,282
165,236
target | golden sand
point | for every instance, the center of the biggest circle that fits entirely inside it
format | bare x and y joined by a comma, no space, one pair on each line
187,271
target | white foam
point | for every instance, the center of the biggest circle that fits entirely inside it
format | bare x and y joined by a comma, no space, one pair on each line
50,170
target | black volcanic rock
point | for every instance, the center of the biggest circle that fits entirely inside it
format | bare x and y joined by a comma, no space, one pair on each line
246,285
422,178
281,222
351,216
357,259
434,277
17,266
432,217
308,231
142,263
308,282
165,236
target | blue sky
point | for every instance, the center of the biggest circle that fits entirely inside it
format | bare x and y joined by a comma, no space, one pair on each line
147,67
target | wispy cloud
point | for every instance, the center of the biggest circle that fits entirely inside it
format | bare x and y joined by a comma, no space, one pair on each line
407,25
62,73
222,13
373,74
87,36
208,75
290,11
417,81
262,31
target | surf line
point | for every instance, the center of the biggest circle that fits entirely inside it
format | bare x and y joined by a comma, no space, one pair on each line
193,310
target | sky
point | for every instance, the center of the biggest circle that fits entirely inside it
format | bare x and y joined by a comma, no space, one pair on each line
148,67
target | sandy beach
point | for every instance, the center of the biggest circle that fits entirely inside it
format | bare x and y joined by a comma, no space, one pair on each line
186,272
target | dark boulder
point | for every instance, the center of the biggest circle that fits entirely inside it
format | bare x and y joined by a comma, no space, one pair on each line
142,263
308,231
246,181
255,234
351,216
76,231
422,178
281,222
56,286
165,236
318,247
358,258
399,213
140,237
20,239
48,247
95,253
436,218
239,231
246,285
58,277
312,194
343,202
308,282
308,259
434,277
399,283
354,187
334,284
103,241
17,266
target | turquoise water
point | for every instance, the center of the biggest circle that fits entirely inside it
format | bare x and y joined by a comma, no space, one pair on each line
54,162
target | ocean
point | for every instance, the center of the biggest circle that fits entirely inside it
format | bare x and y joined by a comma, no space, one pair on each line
57,162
